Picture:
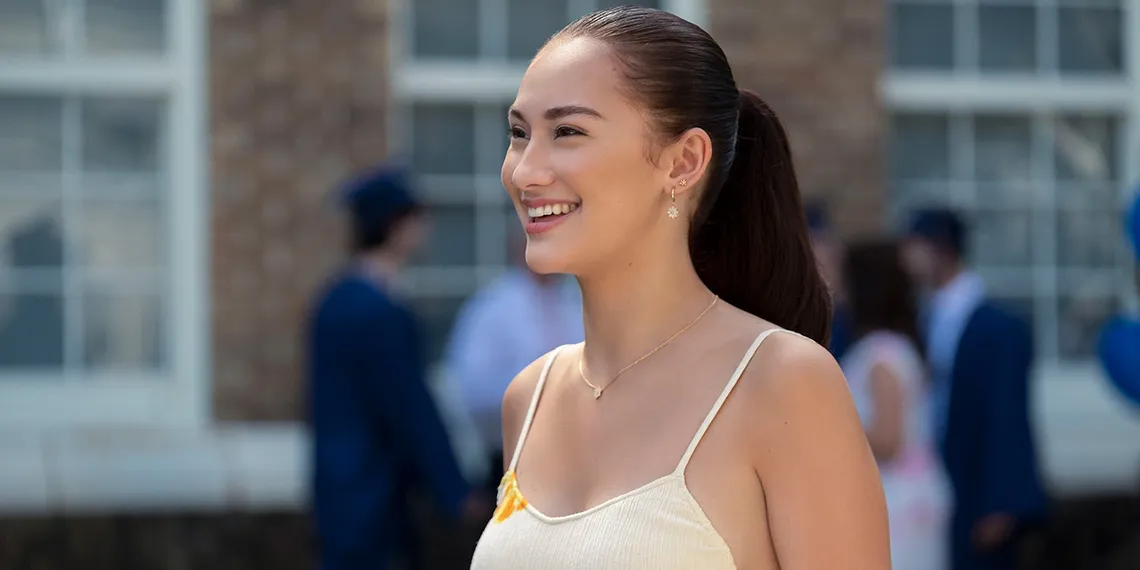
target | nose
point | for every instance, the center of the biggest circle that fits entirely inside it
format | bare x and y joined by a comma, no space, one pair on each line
533,168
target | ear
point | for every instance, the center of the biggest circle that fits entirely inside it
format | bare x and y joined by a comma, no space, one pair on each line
689,159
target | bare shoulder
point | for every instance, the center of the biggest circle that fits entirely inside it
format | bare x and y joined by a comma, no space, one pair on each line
516,401
795,383
789,365
812,458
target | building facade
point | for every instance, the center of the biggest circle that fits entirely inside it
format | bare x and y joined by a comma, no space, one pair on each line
166,167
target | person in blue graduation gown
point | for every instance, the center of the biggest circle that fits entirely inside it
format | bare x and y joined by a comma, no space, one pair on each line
376,429
980,357
1119,344
829,253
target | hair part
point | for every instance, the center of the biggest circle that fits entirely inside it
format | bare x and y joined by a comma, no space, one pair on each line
748,237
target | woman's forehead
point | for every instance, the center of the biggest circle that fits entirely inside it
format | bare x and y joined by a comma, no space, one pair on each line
579,71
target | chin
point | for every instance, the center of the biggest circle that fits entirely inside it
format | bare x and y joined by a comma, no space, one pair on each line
547,257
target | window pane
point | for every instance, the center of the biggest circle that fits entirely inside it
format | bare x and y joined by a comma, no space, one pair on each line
531,23
1088,238
493,140
1003,149
118,235
1001,238
30,234
121,135
1085,148
27,27
443,139
31,137
446,28
1082,319
922,36
451,237
906,198
126,27
1007,38
31,331
920,147
122,330
1091,40
436,315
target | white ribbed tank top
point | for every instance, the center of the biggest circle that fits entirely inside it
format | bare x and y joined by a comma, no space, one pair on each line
658,526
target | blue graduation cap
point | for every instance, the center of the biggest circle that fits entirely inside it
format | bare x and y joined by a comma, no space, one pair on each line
940,226
379,197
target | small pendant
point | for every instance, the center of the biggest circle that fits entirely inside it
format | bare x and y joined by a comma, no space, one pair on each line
597,393
673,213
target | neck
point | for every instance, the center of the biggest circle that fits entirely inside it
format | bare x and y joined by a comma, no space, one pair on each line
949,275
630,307
380,264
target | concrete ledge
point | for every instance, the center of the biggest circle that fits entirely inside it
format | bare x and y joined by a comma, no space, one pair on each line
229,467
1089,438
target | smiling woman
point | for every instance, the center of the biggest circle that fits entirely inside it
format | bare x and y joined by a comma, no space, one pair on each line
637,165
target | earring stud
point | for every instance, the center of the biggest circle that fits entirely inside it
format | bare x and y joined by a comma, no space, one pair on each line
673,212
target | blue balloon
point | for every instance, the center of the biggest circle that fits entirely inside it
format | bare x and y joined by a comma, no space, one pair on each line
1119,352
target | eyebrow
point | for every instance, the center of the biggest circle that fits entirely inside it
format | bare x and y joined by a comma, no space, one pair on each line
561,112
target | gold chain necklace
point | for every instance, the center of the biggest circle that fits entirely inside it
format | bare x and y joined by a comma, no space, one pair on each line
598,390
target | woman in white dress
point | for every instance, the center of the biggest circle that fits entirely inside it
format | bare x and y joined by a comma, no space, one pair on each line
888,380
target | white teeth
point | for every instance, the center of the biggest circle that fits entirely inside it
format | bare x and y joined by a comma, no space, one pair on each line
551,210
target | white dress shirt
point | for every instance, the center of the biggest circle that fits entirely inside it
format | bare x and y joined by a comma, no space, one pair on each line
500,331
950,310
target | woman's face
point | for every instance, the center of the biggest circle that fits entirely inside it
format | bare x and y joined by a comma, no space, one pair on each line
578,166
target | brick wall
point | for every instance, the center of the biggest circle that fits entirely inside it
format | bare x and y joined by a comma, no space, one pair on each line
818,64
297,102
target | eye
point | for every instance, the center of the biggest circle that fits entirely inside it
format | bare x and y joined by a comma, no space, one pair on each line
565,131
515,132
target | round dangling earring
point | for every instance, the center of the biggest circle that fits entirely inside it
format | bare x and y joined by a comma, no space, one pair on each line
673,212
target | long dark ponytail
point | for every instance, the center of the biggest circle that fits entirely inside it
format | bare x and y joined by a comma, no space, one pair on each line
749,239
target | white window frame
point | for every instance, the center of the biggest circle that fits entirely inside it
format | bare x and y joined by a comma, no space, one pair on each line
179,396
1090,439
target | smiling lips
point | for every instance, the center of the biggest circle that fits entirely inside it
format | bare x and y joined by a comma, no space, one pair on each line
543,217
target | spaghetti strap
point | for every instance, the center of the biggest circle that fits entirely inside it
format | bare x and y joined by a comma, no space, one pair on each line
533,406
684,463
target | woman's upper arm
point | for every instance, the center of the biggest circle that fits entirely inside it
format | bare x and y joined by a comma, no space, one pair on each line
821,485
516,402
885,431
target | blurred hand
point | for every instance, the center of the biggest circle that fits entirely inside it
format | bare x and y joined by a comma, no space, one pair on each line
993,531
477,508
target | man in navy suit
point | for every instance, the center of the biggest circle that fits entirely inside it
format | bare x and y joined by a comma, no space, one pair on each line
376,430
980,358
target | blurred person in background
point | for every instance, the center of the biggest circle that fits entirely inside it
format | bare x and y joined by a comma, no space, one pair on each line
376,430
980,358
1118,346
829,253
889,380
499,331
700,424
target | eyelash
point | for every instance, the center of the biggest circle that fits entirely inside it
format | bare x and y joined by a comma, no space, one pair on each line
563,131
